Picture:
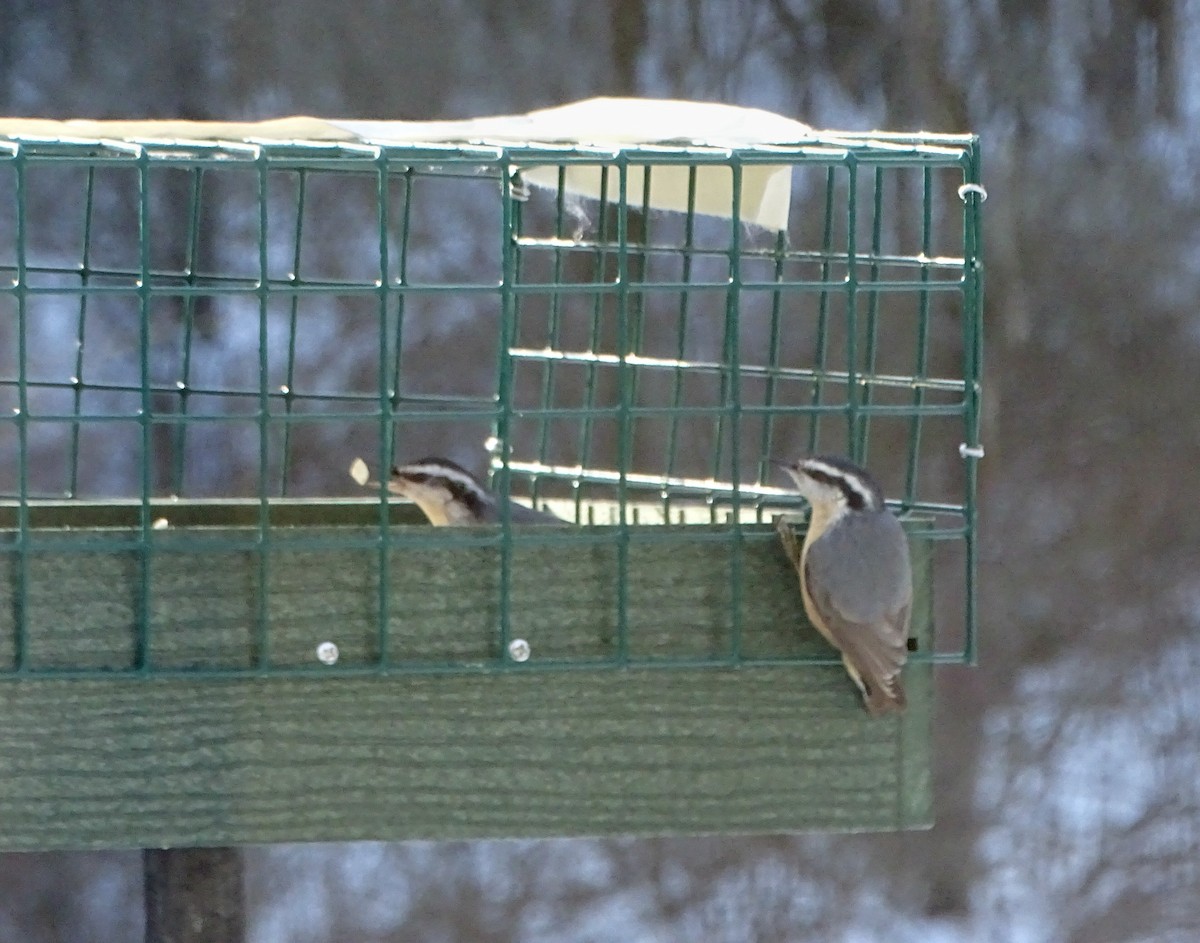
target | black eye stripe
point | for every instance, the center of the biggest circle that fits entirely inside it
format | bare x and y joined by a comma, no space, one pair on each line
459,491
854,497
835,481
467,495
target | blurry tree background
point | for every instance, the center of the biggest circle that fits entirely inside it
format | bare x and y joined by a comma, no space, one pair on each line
1068,765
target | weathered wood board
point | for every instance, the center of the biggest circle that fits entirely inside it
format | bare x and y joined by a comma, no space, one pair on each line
219,726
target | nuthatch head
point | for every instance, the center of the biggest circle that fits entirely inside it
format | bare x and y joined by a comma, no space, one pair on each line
855,574
450,495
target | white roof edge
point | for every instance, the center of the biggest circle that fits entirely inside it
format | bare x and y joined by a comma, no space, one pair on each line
602,126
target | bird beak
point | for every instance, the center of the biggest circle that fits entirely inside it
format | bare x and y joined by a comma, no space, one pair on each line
396,481
786,466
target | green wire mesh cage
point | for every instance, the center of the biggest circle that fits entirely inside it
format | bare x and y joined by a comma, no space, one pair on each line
198,337
174,320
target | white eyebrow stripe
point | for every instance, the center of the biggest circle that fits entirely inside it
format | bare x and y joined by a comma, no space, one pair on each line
824,469
866,497
441,471
852,481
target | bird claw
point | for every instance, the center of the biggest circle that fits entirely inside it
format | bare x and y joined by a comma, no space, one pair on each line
787,537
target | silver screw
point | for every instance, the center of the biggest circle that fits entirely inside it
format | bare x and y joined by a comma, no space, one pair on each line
327,653
518,650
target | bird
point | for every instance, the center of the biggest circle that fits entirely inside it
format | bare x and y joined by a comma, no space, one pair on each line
449,495
855,574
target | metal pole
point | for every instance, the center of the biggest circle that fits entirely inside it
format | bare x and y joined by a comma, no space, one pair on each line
194,895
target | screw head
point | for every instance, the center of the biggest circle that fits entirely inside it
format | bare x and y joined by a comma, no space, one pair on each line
519,650
327,653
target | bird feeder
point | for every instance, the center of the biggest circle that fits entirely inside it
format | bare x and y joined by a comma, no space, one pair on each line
619,311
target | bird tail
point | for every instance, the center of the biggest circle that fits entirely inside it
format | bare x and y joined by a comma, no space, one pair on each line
881,689
885,698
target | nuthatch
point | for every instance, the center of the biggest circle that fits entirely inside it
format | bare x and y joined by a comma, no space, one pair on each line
855,575
450,495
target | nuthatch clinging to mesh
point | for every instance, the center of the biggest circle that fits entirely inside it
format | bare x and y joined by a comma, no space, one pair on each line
855,574
450,495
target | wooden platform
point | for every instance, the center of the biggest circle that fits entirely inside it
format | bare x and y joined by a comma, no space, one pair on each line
212,722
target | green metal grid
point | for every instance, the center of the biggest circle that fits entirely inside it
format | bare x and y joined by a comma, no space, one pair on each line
630,376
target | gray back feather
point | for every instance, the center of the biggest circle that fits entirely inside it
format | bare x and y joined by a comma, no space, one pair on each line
862,564
520,514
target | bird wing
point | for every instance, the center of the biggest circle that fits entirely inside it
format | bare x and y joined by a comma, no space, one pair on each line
877,650
871,632
527,515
